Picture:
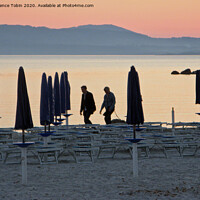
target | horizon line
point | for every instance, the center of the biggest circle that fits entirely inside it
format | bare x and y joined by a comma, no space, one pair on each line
100,55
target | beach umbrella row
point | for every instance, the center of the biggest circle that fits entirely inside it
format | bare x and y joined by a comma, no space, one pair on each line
48,104
54,100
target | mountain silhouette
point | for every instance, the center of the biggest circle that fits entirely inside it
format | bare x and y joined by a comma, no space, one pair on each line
89,40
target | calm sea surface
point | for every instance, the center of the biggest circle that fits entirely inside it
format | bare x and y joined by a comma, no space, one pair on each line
160,90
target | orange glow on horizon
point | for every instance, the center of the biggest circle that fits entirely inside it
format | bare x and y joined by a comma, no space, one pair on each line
156,18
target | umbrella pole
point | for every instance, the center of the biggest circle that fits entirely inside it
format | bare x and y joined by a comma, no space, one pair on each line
45,143
45,127
24,161
24,165
23,137
134,133
66,118
173,120
135,161
49,127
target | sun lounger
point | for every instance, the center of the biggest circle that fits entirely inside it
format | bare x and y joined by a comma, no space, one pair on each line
82,147
107,147
10,154
191,148
47,155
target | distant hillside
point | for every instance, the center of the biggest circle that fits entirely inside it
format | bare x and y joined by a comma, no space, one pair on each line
89,40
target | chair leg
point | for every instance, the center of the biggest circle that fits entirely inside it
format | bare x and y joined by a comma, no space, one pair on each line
91,156
99,151
147,151
1,156
180,151
114,151
56,157
196,149
130,151
5,158
165,152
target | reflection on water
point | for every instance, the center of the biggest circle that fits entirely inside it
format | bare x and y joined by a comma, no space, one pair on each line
160,90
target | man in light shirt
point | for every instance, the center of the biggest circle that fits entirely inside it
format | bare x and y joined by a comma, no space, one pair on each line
108,104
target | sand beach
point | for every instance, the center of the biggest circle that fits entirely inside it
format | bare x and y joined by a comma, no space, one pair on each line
160,177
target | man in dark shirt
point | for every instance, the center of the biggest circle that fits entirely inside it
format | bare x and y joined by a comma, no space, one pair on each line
109,104
87,105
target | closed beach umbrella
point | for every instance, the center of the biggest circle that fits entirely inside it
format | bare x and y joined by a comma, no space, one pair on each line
134,100
134,112
67,87
57,106
23,114
44,102
198,87
51,100
62,93
23,119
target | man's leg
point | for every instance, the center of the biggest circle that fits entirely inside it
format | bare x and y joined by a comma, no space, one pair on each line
86,117
108,116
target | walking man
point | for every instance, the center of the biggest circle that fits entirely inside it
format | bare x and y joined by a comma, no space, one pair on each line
87,105
109,104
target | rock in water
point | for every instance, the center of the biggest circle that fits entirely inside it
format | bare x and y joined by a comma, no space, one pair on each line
175,72
186,71
194,72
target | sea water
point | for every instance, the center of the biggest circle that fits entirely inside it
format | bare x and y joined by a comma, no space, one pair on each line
160,90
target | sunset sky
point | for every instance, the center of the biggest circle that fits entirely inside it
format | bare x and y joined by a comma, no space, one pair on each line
156,18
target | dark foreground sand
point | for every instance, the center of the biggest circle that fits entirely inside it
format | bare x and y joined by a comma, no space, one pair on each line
159,178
